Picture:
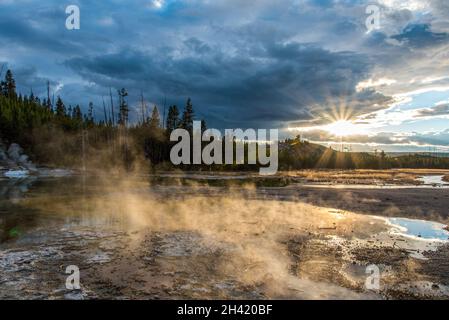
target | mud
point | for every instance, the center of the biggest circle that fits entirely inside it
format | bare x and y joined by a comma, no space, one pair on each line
133,240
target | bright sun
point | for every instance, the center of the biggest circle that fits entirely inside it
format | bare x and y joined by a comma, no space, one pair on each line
343,128
158,3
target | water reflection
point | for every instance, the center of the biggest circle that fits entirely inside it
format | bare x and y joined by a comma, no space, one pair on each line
433,180
428,230
14,189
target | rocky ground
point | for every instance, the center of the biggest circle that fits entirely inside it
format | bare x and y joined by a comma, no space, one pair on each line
13,159
15,164
187,265
136,241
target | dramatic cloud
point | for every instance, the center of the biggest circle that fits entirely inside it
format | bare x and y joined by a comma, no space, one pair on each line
244,64
438,110
419,36
283,82
415,139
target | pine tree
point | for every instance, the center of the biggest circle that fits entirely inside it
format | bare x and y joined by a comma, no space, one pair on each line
77,114
123,107
9,85
48,104
172,118
60,108
155,119
90,112
203,126
187,116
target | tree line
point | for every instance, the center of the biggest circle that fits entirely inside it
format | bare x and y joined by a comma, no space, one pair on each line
21,112
60,134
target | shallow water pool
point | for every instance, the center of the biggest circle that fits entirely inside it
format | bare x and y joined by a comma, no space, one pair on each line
433,180
429,230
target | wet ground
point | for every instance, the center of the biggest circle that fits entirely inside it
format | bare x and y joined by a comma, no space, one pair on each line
132,239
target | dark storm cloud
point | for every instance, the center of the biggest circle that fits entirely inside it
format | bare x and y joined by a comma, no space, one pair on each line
244,64
18,31
420,36
285,82
239,66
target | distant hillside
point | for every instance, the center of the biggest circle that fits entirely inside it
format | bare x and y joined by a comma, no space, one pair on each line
297,154
421,153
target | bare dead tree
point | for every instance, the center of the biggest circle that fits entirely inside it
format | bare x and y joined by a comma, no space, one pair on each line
1,70
142,107
112,107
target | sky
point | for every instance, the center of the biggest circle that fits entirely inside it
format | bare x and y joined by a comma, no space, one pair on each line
308,67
